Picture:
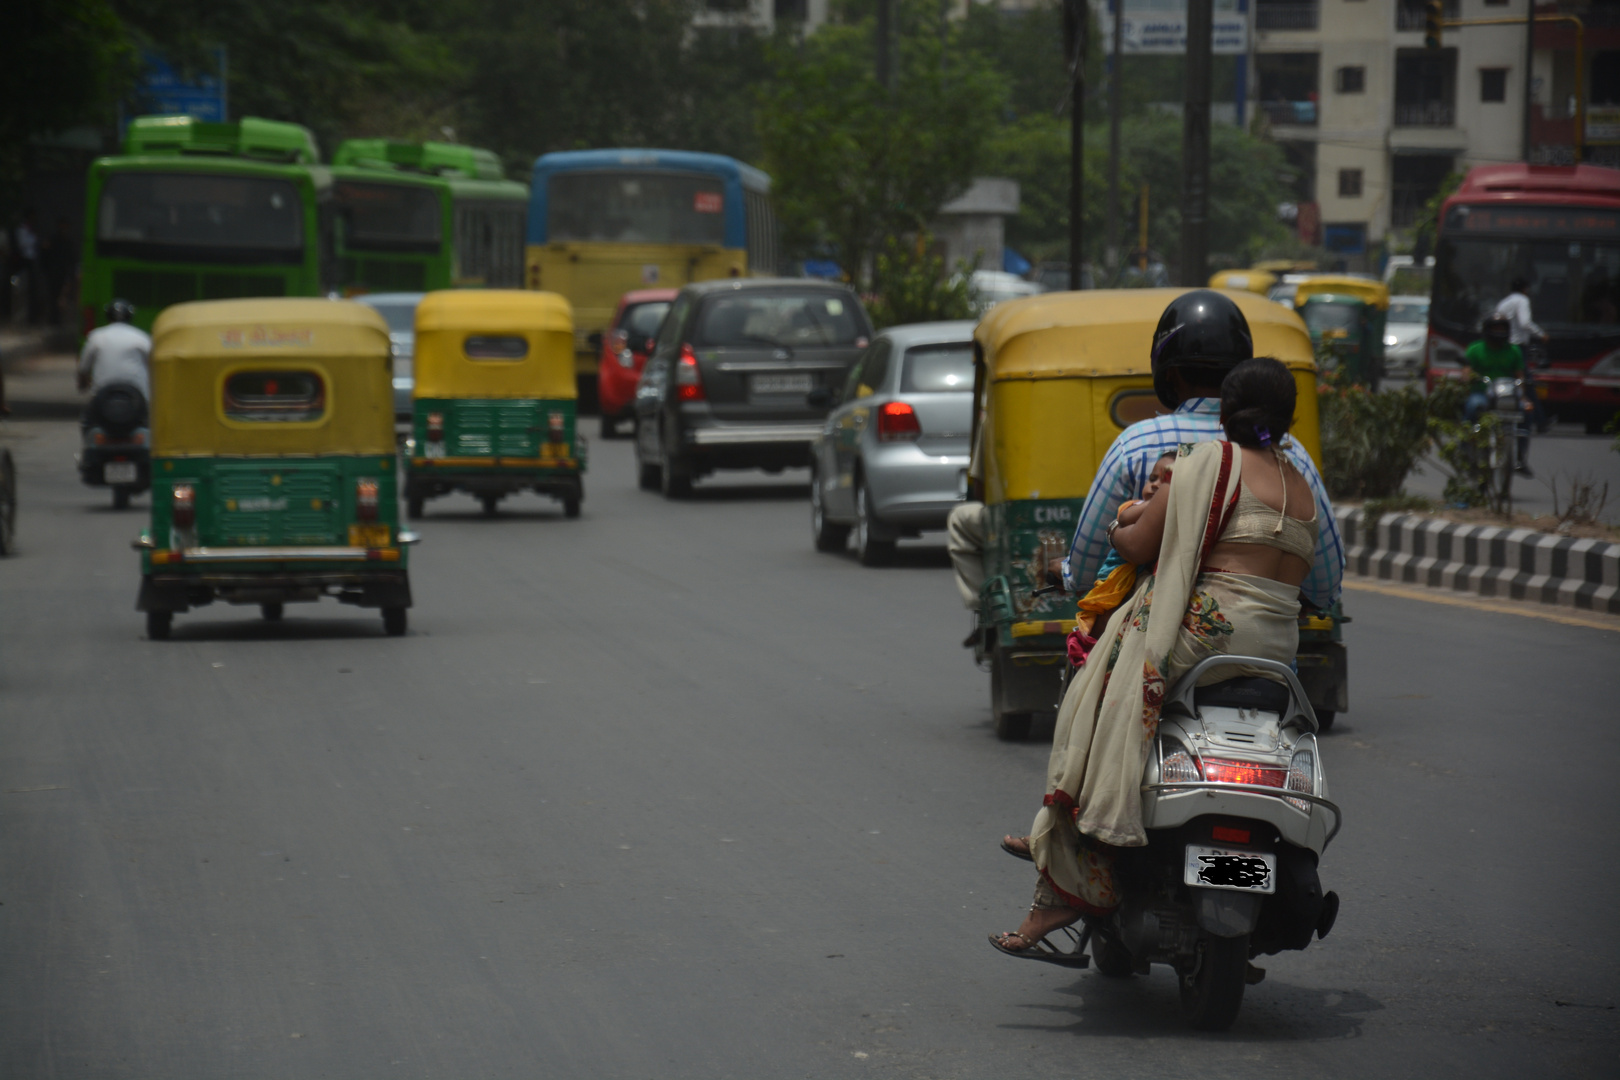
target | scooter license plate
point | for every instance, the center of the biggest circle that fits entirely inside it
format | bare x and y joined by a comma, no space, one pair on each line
1229,868
118,472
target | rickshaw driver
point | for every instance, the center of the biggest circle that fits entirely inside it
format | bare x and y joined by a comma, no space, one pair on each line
1200,337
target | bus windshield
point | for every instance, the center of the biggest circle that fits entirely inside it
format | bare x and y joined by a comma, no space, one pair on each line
635,207
1570,258
389,217
182,216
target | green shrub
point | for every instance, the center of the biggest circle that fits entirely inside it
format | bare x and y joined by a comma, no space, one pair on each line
912,286
1369,441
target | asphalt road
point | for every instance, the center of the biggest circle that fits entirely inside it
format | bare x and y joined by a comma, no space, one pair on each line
663,793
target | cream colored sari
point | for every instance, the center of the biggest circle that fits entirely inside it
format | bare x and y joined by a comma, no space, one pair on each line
1106,726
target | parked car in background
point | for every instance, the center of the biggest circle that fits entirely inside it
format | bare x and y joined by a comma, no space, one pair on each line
1406,334
987,288
887,460
398,309
625,347
741,377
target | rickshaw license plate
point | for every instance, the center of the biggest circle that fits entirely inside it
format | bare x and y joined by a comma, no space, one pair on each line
118,472
1225,868
798,382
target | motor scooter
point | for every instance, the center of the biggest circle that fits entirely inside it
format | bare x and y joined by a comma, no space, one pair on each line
115,449
1236,807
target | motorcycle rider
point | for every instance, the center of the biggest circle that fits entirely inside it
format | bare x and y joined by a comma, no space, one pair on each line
1522,329
118,352
1495,356
1201,336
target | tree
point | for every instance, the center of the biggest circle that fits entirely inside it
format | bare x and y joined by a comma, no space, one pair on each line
855,163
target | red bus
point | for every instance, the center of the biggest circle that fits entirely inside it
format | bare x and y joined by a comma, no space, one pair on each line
1558,227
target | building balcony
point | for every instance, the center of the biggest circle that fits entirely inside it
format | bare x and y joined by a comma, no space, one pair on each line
1290,113
1414,16
1287,15
1427,114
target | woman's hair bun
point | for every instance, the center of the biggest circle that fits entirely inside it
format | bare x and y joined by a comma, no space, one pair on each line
1257,402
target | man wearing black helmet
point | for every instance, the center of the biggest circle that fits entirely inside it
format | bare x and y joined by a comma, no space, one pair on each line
1200,337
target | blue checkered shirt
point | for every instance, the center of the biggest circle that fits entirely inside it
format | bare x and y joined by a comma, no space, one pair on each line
1125,469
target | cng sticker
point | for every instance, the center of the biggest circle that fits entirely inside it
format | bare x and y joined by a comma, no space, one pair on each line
1053,515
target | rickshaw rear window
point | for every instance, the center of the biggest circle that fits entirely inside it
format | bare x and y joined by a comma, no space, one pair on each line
1133,406
497,347
275,396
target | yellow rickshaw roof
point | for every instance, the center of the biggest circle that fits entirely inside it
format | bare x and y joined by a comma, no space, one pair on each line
1375,293
1110,332
1255,281
493,310
218,327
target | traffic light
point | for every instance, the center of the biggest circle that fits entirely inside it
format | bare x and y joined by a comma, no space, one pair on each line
1433,13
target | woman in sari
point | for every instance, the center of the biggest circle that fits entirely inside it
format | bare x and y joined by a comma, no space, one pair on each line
1232,535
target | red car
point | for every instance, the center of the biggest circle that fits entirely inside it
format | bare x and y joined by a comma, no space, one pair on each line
625,348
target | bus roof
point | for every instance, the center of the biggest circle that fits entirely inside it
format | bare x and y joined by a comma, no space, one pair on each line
434,158
681,160
1540,183
250,137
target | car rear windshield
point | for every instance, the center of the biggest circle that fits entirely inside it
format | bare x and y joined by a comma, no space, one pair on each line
935,369
158,215
389,217
780,320
635,207
641,321
275,396
400,317
1408,313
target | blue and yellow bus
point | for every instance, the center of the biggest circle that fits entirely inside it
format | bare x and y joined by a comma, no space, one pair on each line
604,222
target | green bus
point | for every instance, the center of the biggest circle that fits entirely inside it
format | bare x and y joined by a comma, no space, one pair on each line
192,210
414,217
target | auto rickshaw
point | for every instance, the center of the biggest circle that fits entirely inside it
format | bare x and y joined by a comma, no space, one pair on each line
494,402
1255,281
1345,316
1057,378
273,461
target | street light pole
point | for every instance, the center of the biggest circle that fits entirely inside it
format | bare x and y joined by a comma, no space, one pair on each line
1075,18
1529,66
1115,109
1195,144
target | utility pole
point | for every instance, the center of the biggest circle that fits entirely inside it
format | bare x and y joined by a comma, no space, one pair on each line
885,44
1529,66
1075,19
1115,109
1195,145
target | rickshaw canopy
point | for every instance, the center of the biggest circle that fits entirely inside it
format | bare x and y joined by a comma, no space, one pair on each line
494,343
271,377
1062,374
1362,290
1255,281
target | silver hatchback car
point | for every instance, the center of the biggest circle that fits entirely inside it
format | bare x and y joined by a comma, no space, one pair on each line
399,310
887,461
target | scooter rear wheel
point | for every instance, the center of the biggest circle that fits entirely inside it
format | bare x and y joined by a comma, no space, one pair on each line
1212,993
1111,958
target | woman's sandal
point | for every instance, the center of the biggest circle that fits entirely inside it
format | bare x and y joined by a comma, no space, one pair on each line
1043,950
1009,844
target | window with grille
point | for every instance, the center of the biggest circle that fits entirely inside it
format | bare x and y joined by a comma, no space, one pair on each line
1349,183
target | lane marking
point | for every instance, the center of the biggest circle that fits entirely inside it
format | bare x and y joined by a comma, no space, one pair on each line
1592,620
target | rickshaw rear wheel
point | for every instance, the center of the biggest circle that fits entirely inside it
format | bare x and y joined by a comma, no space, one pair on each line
414,505
571,506
1009,726
491,503
1324,719
271,612
394,621
158,624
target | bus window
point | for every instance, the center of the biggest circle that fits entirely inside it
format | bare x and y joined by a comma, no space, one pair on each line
639,207
489,245
761,233
389,217
179,216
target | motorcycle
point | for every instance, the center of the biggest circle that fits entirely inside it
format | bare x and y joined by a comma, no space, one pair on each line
1236,807
115,450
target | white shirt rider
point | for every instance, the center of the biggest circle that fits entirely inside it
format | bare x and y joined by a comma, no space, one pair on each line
116,353
1515,307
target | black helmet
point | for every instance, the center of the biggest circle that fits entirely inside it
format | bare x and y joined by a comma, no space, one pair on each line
1205,335
1497,329
119,311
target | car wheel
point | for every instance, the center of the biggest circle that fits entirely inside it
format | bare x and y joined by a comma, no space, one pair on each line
826,535
271,612
1595,426
870,550
674,475
609,427
394,621
158,624
8,505
1111,959
120,498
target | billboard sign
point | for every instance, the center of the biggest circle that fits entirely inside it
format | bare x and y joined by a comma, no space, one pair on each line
164,91
1160,27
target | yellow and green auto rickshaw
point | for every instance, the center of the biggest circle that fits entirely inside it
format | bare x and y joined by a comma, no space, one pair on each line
494,403
273,461
1255,281
1057,378
1345,316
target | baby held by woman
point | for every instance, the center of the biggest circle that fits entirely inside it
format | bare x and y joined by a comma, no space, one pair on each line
1116,578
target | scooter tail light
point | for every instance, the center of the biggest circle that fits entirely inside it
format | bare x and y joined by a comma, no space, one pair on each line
365,500
897,421
1220,771
183,506
688,376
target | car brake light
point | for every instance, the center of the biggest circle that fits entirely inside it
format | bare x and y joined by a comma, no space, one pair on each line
183,507
1244,772
365,500
99,437
1230,835
897,421
558,427
688,377
435,427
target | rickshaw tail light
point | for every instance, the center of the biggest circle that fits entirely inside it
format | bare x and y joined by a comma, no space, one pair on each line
559,426
897,421
435,427
365,500
184,505
688,377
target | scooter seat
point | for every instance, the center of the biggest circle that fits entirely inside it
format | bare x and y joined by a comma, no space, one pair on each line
1247,692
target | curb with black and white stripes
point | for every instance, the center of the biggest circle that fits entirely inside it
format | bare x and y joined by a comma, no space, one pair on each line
1487,560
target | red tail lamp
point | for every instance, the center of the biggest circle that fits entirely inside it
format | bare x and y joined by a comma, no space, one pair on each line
897,421
365,500
688,377
183,506
1244,772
